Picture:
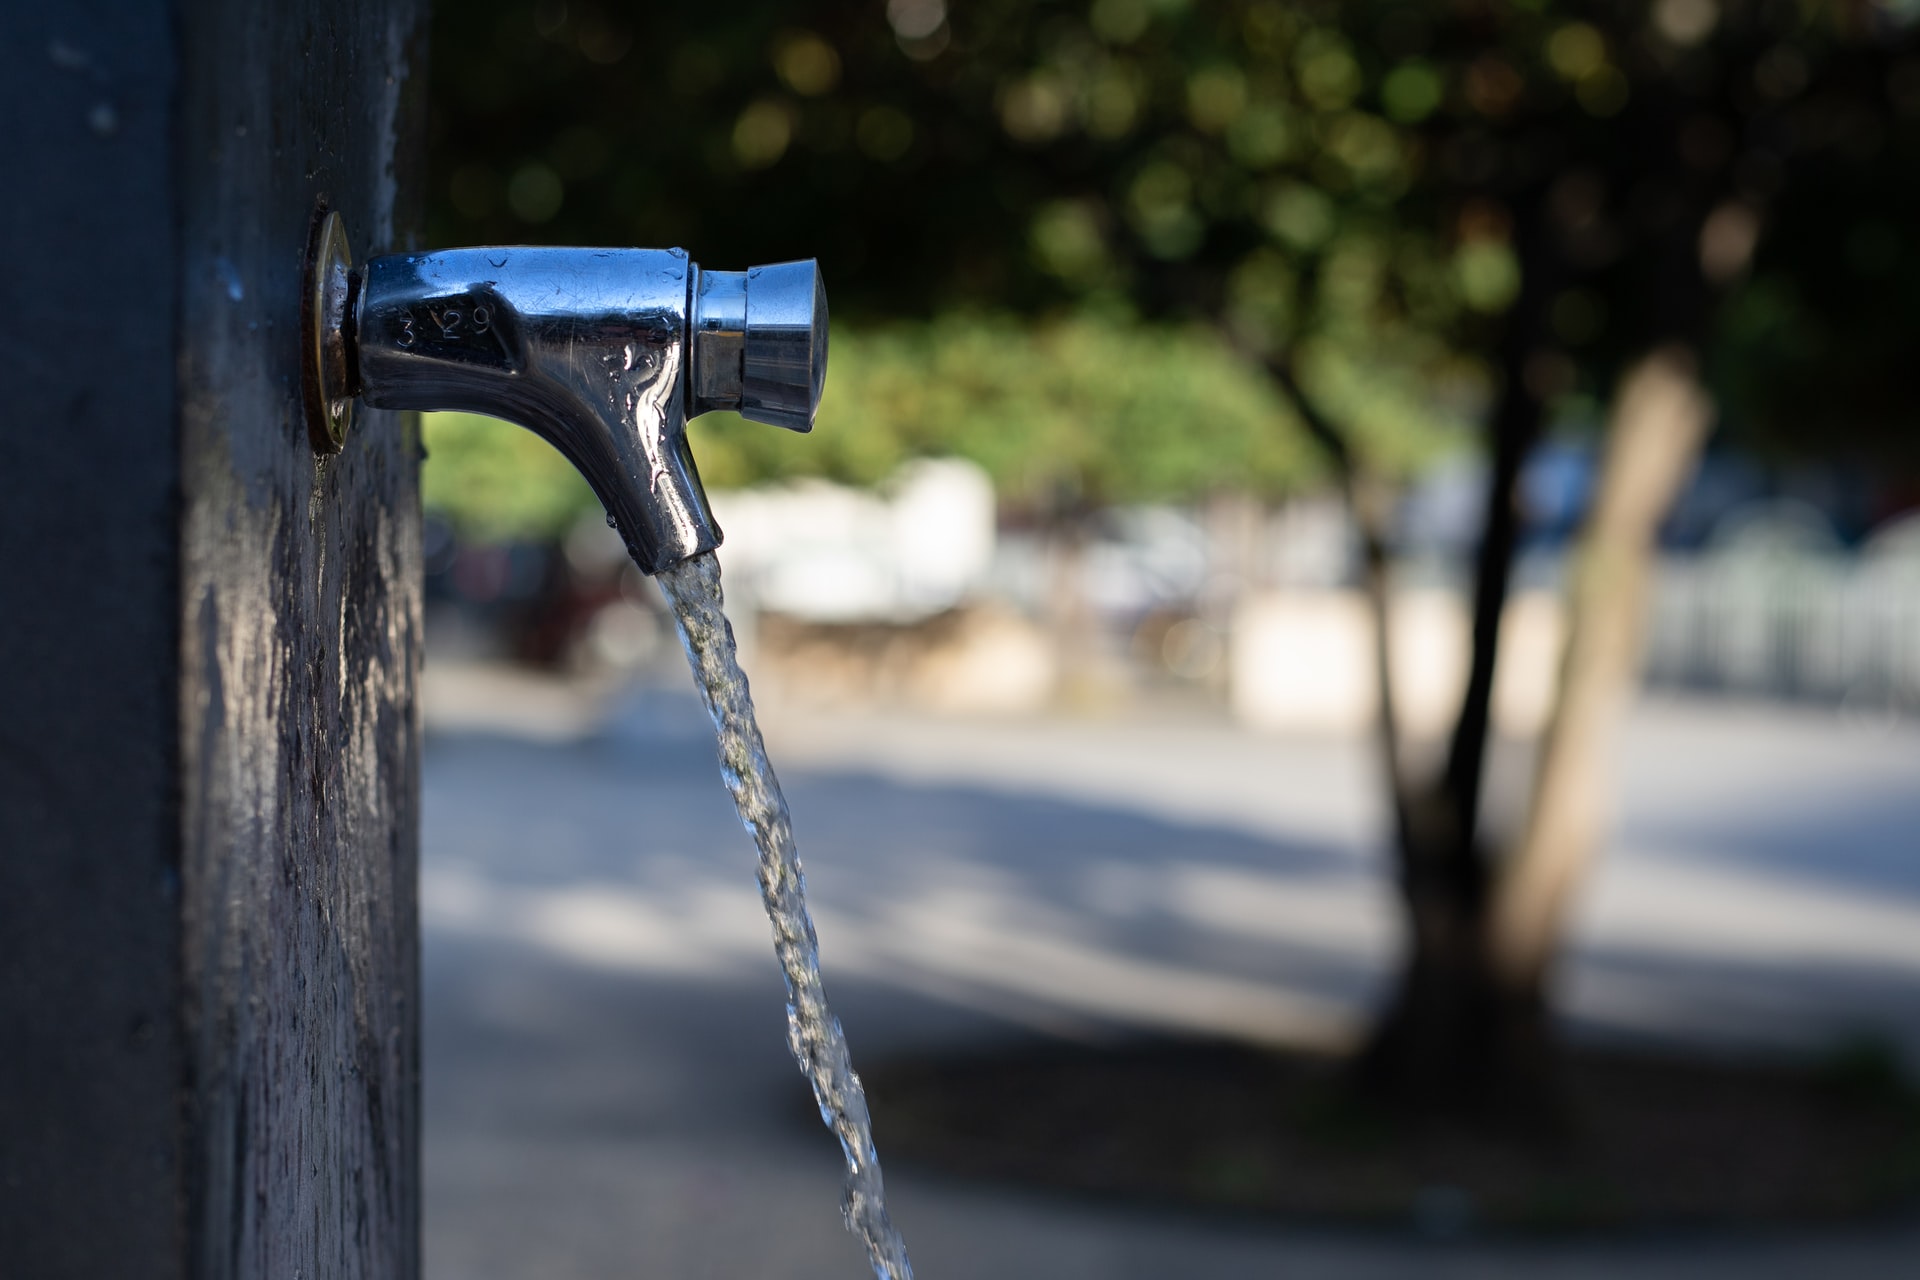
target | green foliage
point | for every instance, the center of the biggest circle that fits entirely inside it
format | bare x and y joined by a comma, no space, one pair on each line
1244,167
1364,185
497,481
1083,409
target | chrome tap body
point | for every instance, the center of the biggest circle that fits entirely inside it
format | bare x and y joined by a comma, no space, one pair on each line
606,353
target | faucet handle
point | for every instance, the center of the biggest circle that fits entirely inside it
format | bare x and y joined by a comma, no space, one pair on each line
759,341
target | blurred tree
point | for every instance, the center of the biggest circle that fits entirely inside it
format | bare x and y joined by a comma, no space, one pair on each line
1131,159
1634,155
1410,215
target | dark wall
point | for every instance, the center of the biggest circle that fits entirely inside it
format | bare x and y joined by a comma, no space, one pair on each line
300,642
209,644
90,1052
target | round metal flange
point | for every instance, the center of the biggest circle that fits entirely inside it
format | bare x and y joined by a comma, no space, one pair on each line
327,374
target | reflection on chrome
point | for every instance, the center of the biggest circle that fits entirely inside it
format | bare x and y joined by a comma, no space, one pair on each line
604,352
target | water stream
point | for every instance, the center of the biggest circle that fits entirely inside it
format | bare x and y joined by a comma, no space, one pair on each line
813,1033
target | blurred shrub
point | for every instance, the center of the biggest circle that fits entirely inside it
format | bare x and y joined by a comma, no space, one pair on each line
1081,409
497,482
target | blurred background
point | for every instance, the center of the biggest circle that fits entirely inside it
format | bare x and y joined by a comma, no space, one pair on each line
1345,648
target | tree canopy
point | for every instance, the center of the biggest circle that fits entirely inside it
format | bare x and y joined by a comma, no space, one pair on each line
1059,240
1359,189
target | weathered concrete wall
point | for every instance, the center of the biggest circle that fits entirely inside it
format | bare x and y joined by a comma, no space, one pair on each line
209,750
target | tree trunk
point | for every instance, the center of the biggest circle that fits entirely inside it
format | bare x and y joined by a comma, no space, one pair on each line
1431,1047
1368,501
1468,1028
1660,421
1443,1039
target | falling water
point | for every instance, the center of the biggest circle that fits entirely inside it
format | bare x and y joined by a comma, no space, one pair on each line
813,1033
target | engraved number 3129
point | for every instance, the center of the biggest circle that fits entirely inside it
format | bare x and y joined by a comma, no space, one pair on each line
448,322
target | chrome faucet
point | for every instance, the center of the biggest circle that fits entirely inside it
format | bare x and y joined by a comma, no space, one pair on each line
604,352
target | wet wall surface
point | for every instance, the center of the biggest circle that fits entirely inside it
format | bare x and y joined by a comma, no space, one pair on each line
300,627
208,736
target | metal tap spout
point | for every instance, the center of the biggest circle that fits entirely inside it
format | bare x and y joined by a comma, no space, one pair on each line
606,353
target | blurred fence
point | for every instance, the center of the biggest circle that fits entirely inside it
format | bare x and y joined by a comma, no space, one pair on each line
1775,607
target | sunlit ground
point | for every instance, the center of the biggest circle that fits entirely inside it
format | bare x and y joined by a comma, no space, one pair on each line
607,1088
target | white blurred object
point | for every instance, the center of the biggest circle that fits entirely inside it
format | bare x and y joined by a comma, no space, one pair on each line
1303,661
1776,605
942,513
826,553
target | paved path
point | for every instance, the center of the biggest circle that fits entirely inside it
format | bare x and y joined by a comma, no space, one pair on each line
607,1087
